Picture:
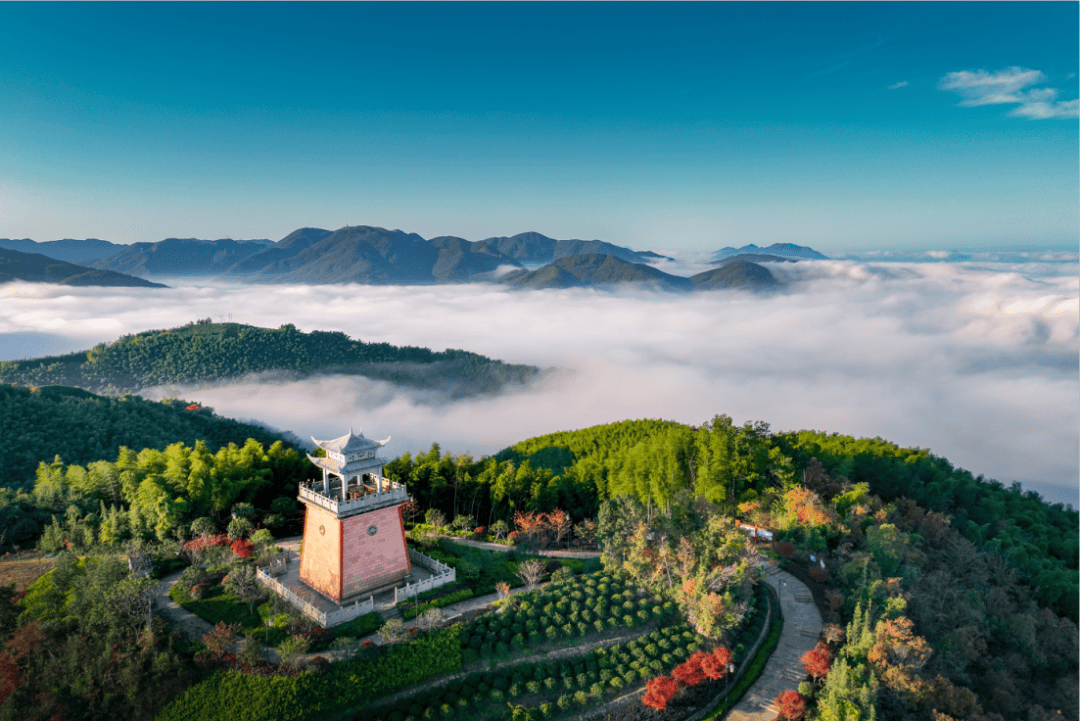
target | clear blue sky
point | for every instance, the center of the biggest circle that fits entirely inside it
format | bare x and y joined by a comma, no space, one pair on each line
844,126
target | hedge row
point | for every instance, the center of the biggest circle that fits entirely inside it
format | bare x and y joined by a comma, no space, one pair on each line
232,696
563,610
414,610
568,683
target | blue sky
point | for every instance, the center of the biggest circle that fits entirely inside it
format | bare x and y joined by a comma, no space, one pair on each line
846,126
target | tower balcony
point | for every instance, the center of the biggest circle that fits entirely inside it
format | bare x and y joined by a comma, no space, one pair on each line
358,498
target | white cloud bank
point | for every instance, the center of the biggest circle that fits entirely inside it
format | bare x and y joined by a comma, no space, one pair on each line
978,365
1007,87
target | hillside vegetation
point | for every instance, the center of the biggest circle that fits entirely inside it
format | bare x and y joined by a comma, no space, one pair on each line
206,351
959,594
40,423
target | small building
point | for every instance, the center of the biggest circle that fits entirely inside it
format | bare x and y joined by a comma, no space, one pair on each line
354,533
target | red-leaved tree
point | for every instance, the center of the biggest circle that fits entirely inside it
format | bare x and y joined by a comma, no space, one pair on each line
792,706
817,661
690,671
658,691
242,548
714,665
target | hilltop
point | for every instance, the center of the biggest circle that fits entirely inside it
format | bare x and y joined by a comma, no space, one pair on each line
207,352
580,271
777,250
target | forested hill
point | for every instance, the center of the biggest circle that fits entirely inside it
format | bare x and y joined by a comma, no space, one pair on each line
206,351
38,424
959,595
659,461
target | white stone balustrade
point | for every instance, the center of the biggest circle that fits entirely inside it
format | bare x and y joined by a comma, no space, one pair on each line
394,493
346,613
443,575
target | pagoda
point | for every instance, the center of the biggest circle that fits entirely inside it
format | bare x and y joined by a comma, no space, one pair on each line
354,533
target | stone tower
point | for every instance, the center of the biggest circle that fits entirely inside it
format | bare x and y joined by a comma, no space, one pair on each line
354,534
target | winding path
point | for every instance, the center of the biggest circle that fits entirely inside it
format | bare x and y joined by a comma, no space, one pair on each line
784,671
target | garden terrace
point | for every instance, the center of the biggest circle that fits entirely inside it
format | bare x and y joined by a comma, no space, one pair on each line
584,606
552,687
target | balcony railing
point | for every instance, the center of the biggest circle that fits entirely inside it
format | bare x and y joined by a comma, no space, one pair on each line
392,494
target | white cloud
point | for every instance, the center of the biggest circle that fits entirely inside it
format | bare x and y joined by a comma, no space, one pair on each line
1007,87
897,86
977,365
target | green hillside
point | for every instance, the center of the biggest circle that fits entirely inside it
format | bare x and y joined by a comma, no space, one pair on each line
38,424
206,351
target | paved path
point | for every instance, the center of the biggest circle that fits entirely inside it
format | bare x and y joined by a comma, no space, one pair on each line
784,671
178,617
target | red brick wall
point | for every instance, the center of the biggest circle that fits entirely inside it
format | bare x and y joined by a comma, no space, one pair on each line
375,560
320,564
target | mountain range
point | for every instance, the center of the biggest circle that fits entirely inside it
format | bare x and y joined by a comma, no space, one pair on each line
377,256
37,268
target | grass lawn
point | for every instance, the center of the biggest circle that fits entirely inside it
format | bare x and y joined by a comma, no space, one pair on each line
220,606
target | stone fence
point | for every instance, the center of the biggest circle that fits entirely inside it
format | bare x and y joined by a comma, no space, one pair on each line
324,619
443,575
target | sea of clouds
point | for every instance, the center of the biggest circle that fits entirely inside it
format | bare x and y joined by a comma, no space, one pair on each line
977,361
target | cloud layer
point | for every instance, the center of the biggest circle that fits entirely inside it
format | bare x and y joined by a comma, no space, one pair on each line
1007,87
979,365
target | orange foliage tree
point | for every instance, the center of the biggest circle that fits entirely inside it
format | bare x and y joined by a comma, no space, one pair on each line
792,706
817,661
658,692
715,664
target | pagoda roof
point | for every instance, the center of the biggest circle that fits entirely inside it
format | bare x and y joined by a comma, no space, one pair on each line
350,443
346,468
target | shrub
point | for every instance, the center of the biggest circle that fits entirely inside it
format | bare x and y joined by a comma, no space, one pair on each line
239,528
791,706
658,692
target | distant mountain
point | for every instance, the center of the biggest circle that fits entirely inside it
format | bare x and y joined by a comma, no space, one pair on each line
461,261
756,258
210,352
592,269
738,274
69,250
525,247
377,256
536,248
38,268
292,244
783,250
181,256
